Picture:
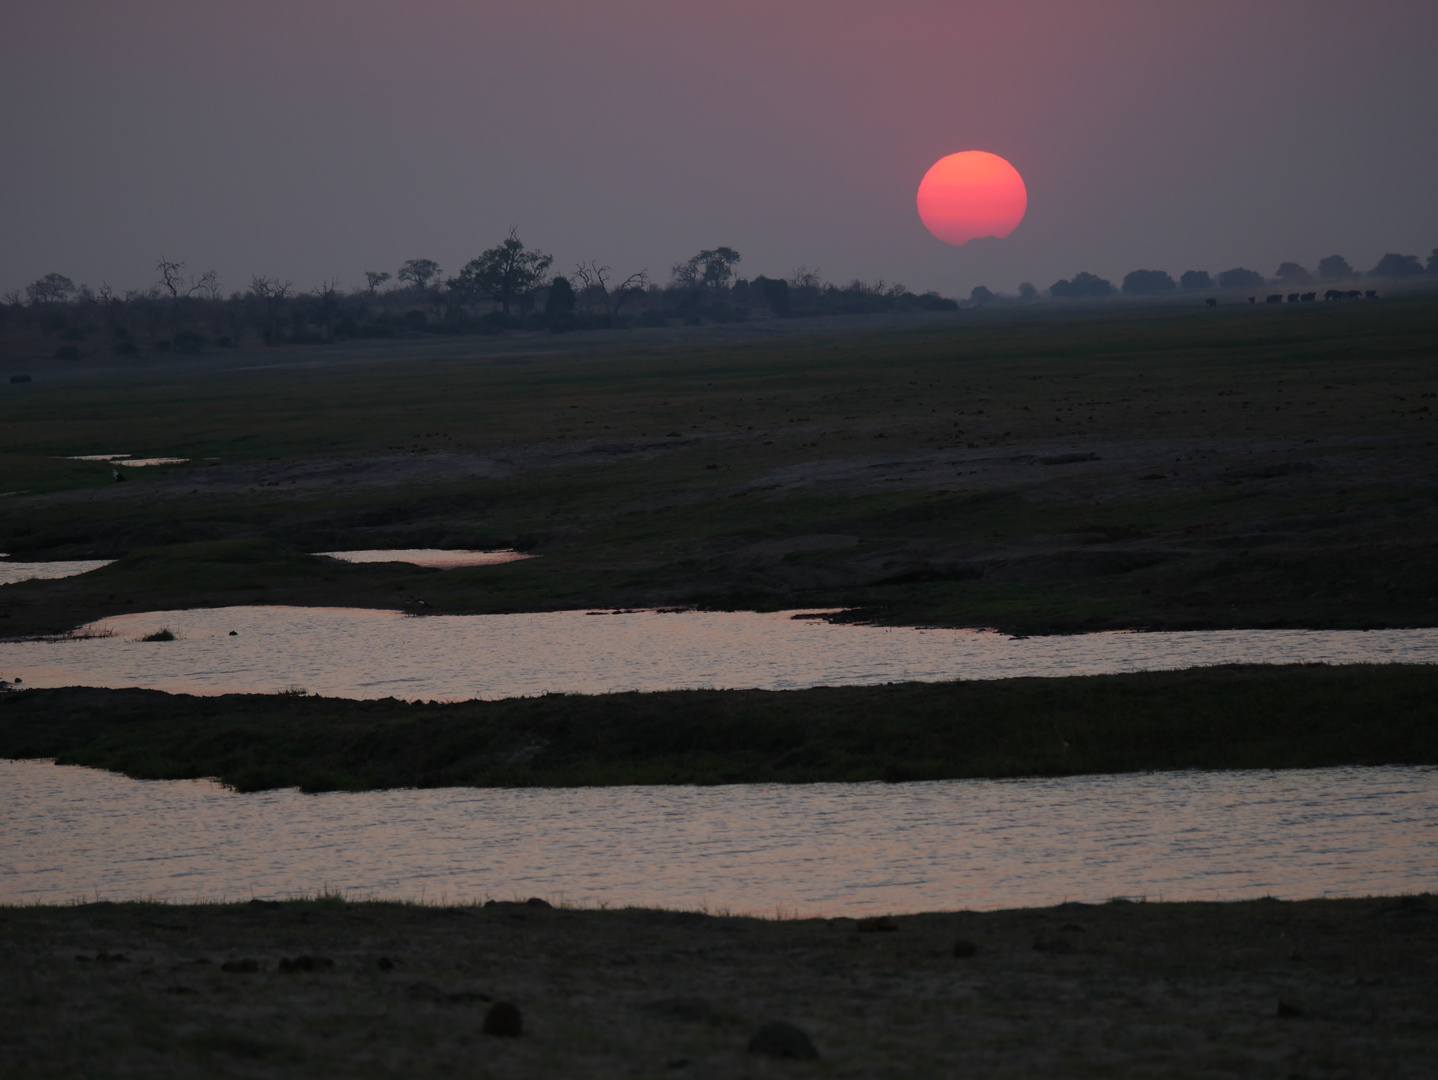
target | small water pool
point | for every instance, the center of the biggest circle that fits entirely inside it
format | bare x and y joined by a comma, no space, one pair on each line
439,558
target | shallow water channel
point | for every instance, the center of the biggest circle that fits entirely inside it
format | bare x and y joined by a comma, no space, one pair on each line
820,849
363,653
13,570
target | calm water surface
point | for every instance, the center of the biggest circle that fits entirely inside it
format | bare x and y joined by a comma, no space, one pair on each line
821,849
360,653
13,570
439,558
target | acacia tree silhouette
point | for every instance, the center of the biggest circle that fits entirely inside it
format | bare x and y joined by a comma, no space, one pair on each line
503,273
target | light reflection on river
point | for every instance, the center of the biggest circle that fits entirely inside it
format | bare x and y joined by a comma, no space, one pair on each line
821,849
361,653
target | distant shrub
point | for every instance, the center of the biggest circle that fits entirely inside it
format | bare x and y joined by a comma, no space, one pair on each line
66,352
497,322
932,301
1291,273
1335,268
559,302
1195,279
653,318
1083,286
416,321
72,334
1240,278
1397,267
124,348
160,635
189,342
1148,283
775,292
982,294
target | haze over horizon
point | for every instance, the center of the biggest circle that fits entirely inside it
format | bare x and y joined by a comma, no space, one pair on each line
315,138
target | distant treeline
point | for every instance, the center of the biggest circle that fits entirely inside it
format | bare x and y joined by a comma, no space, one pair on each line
1289,277
509,287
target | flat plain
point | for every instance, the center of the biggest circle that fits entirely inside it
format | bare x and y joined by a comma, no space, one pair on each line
1061,470
1320,988
1038,471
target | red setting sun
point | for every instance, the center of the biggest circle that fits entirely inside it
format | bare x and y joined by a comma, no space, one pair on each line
972,194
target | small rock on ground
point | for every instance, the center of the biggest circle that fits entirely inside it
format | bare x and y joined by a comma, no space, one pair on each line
504,1020
781,1040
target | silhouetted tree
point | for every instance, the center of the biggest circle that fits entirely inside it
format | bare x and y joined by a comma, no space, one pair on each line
1148,283
328,295
981,294
1335,268
113,309
503,273
1395,267
174,282
271,294
1291,273
418,272
1195,280
1433,262
50,289
1083,286
711,269
1240,278
594,287
1027,292
376,278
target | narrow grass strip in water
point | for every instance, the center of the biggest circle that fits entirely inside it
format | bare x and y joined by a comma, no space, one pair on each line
1235,717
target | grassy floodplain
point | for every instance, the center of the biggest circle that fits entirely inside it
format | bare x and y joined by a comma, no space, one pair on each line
1037,470
1321,988
1053,470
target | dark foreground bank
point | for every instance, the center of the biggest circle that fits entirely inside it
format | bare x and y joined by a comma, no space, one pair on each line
1302,716
321,988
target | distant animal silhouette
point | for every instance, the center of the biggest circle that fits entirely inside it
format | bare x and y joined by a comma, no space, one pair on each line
1211,301
1253,299
1308,296
1293,298
1333,294
1352,294
1371,294
1274,298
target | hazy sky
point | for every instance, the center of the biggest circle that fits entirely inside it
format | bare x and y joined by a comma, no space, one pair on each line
320,138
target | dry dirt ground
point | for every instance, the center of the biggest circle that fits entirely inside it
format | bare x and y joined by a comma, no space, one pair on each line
1321,988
